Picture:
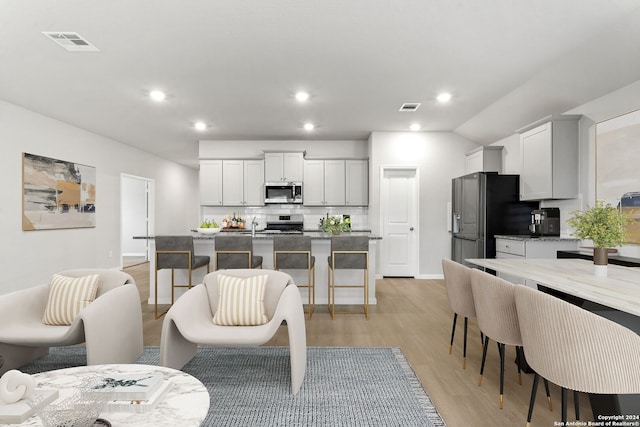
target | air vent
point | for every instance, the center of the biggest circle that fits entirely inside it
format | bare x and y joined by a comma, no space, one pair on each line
71,41
409,106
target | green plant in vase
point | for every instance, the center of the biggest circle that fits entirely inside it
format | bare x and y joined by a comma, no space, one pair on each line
603,224
335,224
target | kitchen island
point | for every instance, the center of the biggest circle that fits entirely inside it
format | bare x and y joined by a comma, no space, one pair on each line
204,244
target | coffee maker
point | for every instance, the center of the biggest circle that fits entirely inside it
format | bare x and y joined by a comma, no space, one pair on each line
545,222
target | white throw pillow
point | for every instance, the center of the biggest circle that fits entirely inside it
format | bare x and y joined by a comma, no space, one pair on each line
241,301
67,296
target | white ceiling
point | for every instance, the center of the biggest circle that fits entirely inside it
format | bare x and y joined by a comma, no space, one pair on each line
237,64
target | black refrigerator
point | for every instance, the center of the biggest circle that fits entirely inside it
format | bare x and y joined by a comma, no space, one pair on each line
484,204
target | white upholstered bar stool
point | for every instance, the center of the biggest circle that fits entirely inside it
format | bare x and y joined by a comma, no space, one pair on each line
176,252
294,253
495,303
349,253
576,349
457,279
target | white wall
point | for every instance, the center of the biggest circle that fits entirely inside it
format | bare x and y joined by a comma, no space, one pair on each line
616,103
30,257
255,149
440,157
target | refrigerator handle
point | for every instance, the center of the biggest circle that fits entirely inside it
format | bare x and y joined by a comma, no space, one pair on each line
455,225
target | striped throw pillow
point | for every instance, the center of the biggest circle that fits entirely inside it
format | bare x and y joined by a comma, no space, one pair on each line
241,301
67,296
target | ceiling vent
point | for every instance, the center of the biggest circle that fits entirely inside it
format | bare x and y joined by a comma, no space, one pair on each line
71,41
409,106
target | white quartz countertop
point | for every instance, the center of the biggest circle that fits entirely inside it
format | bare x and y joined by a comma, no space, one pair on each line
526,237
619,290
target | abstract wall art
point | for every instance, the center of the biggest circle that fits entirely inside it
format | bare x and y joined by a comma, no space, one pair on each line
57,194
617,165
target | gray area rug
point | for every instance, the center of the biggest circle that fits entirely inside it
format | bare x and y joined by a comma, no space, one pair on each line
343,386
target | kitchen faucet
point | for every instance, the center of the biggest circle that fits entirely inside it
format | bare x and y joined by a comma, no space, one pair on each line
254,223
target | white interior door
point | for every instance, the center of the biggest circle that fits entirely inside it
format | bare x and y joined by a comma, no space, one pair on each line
136,202
400,243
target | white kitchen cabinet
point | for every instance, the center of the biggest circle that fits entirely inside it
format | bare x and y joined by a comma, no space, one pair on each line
242,182
550,159
484,159
533,248
313,183
357,182
232,182
283,166
334,182
253,182
324,183
210,182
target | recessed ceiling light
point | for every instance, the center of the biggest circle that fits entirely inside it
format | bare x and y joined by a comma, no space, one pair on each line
444,97
309,126
200,125
415,127
157,95
302,96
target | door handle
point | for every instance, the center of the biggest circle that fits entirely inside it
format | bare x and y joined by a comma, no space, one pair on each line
410,228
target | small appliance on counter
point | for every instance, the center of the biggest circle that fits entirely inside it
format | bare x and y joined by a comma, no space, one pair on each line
545,222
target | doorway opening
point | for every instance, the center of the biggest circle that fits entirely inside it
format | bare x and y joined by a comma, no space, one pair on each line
136,219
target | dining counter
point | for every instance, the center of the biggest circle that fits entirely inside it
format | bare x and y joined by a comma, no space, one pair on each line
615,297
619,290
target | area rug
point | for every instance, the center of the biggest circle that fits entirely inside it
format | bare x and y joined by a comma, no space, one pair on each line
343,386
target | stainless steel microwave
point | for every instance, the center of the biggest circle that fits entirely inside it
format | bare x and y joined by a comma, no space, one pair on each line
283,192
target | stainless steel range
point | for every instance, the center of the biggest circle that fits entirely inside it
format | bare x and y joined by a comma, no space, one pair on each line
284,224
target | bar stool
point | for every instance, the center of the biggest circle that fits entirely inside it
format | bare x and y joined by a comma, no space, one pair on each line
348,252
294,253
176,252
235,252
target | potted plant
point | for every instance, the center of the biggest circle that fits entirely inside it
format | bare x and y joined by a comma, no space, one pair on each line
335,224
603,224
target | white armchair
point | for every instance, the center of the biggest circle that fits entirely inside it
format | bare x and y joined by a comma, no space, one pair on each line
111,325
189,322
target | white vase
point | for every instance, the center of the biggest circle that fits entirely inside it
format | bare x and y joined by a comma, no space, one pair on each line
600,270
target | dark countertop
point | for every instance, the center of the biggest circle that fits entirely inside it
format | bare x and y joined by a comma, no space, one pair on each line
261,235
526,237
613,259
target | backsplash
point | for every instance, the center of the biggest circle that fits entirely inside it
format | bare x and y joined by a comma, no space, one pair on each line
311,214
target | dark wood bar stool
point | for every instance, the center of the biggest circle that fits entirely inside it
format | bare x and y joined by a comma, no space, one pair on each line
235,252
294,253
348,253
176,252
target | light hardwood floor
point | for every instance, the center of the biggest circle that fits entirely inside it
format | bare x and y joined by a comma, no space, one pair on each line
415,316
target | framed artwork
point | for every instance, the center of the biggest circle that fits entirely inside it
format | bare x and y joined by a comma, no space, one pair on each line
617,160
57,194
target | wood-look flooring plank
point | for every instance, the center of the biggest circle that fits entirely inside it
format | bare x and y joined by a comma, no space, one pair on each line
415,316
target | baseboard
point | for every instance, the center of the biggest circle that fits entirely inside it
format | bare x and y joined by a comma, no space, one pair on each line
430,276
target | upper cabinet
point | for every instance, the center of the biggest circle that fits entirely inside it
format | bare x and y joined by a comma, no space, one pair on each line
484,159
211,182
357,182
549,150
242,182
283,166
324,183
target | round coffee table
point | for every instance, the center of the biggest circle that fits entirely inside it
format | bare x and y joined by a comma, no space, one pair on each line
186,402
